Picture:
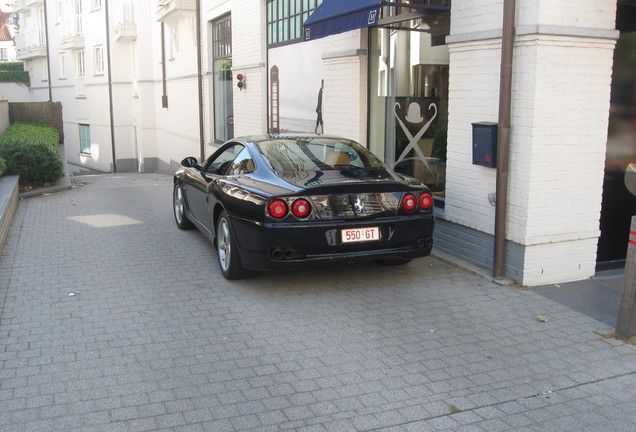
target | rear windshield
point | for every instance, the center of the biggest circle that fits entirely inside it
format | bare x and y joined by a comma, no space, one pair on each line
314,154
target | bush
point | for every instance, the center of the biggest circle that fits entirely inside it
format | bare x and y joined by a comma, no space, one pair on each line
13,72
34,161
3,167
11,66
34,132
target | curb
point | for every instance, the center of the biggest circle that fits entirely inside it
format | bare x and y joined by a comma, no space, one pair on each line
9,193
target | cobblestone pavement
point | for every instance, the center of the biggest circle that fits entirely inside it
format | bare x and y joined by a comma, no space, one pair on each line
114,320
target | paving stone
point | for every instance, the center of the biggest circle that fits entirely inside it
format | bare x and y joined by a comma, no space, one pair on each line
154,338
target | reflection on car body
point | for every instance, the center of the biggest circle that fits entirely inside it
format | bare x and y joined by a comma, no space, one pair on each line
276,202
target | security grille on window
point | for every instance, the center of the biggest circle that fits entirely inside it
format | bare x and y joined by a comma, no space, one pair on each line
285,19
222,39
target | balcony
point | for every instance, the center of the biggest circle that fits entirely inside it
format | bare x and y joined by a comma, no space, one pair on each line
126,31
125,25
25,5
71,36
30,44
170,11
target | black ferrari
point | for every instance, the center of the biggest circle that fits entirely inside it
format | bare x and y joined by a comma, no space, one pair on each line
284,202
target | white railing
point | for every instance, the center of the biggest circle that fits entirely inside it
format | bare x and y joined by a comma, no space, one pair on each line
30,39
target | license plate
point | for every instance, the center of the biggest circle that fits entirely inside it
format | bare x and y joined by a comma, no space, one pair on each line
355,235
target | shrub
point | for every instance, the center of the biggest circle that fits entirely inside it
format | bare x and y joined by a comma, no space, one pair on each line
13,72
11,66
34,161
34,132
3,167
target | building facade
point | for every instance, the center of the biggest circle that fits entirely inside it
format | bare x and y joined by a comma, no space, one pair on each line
145,84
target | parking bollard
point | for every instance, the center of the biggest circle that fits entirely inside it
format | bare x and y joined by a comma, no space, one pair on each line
626,322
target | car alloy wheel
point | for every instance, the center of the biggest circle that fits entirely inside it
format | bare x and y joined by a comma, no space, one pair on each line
179,208
229,260
224,244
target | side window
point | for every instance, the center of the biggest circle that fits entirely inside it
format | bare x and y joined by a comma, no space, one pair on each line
220,164
242,164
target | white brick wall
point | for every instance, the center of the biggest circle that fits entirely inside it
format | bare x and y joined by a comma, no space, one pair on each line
561,84
249,58
345,93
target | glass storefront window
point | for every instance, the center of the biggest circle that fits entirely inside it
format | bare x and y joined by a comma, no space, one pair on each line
409,102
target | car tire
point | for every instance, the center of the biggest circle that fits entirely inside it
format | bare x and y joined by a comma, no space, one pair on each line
178,205
227,250
393,262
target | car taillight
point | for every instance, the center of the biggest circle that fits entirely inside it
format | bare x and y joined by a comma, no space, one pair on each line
426,201
409,202
277,209
301,208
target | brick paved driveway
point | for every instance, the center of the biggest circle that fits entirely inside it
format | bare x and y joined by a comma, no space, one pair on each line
112,319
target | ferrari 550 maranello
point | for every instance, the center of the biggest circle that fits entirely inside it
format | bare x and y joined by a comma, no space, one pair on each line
276,202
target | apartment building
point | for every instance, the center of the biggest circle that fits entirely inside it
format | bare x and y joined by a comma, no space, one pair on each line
144,84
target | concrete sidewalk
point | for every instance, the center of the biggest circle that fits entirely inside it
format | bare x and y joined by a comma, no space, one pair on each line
112,319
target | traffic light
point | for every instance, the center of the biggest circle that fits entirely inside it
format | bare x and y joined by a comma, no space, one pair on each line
240,78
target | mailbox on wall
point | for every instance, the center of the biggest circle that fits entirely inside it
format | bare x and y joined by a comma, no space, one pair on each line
485,144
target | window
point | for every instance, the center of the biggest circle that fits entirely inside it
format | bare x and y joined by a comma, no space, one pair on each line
285,19
221,32
4,54
80,67
62,65
96,4
242,164
85,139
99,60
222,162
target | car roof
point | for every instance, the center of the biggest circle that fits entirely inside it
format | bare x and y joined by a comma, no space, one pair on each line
291,136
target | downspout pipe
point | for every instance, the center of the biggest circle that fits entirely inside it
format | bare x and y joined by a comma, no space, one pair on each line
164,85
111,109
503,138
48,51
200,81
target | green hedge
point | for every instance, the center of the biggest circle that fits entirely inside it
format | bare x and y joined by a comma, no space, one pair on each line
11,66
14,72
34,132
3,167
31,151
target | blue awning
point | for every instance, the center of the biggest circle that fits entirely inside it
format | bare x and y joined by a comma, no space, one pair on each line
337,16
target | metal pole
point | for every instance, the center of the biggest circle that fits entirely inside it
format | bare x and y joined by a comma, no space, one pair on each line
48,51
111,108
200,81
503,140
626,322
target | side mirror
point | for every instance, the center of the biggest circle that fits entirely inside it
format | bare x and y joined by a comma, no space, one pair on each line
190,162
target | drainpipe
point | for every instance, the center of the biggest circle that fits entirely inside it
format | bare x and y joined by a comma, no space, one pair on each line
200,80
164,96
48,51
503,149
111,110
